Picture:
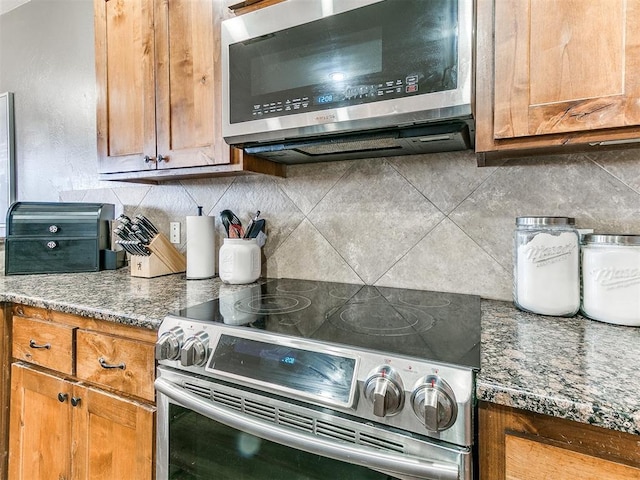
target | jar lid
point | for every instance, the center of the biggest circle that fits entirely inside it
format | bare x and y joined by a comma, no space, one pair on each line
611,239
540,221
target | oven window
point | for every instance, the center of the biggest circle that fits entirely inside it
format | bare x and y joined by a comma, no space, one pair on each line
203,449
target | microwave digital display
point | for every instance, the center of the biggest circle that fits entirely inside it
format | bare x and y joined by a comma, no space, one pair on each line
381,51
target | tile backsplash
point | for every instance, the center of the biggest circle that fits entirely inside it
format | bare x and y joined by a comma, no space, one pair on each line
433,222
428,222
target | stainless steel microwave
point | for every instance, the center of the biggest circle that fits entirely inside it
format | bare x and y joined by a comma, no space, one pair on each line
310,80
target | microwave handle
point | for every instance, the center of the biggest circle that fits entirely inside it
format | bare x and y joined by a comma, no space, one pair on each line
374,459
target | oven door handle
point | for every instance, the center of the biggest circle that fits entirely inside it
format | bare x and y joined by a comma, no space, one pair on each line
397,464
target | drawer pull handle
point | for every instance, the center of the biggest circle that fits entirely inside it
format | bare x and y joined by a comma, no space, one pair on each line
53,228
62,397
75,401
51,245
104,364
33,344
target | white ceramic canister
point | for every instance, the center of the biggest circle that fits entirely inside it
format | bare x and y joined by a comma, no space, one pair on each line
239,260
547,266
611,278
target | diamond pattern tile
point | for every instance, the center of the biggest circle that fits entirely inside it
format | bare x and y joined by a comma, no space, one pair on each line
622,164
448,260
307,255
207,192
306,185
171,203
372,217
559,186
446,179
251,193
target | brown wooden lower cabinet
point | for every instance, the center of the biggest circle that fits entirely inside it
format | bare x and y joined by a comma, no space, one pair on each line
520,445
5,362
81,398
63,430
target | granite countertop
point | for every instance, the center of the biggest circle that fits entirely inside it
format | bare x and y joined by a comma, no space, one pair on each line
571,368
112,295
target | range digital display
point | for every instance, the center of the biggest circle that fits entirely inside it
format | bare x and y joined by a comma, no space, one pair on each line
316,374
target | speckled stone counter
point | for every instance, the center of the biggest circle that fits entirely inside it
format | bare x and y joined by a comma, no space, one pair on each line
573,368
111,295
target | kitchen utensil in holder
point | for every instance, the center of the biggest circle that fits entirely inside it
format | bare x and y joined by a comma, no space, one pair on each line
165,259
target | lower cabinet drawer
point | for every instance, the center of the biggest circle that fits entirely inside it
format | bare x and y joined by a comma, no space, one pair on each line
46,344
122,364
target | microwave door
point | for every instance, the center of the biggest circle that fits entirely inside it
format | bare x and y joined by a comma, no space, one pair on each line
376,60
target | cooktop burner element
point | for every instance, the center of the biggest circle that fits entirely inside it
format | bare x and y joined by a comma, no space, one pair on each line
382,319
278,304
443,327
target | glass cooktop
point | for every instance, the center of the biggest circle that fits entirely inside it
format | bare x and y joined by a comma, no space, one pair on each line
435,326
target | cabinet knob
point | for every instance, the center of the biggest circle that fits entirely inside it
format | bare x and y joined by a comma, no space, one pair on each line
75,401
51,245
160,158
62,397
53,228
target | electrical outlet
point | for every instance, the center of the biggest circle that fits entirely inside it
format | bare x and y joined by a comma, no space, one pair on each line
174,232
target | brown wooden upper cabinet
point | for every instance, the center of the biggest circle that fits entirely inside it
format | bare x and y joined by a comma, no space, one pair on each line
159,98
244,6
552,74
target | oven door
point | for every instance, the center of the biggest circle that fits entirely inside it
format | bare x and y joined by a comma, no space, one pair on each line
208,430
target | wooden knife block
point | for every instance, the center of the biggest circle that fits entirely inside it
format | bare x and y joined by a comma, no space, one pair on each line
165,259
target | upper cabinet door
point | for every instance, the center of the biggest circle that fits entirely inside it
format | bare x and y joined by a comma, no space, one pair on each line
565,66
188,98
126,117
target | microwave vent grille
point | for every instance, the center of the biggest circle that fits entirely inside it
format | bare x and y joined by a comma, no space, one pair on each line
347,146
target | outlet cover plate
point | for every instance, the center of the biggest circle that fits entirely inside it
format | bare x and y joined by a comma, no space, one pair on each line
174,232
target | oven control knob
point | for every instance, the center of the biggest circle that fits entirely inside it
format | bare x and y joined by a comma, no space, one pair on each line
194,350
384,390
168,345
434,403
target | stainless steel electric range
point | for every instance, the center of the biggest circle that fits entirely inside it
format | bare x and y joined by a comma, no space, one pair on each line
295,379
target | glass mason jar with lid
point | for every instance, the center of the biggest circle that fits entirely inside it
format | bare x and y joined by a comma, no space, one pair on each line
611,278
546,276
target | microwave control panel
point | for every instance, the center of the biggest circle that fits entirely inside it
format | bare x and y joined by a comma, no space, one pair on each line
339,97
